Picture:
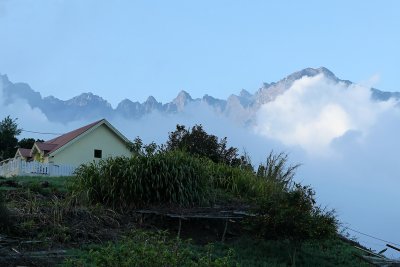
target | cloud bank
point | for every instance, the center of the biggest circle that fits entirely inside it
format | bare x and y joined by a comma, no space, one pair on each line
348,145
315,110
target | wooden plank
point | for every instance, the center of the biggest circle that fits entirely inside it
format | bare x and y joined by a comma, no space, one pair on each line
202,215
370,252
393,247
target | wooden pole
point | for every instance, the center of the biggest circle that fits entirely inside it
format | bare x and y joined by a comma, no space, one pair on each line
226,227
179,228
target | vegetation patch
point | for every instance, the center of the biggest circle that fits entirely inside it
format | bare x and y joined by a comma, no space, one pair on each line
149,248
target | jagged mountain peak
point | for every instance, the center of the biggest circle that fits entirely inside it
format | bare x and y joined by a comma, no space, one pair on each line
183,95
125,100
269,91
179,102
244,93
89,105
182,98
150,100
88,98
309,72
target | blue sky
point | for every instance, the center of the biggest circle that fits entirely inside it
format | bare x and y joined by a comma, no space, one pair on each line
133,49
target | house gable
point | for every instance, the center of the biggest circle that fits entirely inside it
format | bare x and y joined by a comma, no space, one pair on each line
87,130
23,153
100,141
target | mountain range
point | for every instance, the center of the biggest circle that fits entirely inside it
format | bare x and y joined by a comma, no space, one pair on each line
89,106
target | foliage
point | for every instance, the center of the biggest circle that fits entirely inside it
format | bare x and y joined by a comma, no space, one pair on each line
198,142
143,248
192,170
171,177
285,210
276,170
240,183
5,221
8,137
139,149
257,252
290,212
293,215
40,184
28,142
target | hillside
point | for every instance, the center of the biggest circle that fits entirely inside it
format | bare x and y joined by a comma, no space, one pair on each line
173,205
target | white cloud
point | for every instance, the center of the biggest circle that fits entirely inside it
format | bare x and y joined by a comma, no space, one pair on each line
314,111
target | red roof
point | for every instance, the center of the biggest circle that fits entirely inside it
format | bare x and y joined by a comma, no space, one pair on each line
58,142
24,152
46,147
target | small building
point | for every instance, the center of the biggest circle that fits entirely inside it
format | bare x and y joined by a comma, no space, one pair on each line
95,141
23,153
62,155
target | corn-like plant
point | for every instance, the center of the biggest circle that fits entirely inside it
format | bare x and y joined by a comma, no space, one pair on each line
162,178
176,177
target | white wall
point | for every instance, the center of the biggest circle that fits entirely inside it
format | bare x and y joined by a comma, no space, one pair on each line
82,151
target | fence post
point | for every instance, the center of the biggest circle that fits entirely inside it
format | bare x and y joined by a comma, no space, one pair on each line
19,168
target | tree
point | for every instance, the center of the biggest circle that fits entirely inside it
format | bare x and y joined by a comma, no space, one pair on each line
8,137
28,142
139,149
198,142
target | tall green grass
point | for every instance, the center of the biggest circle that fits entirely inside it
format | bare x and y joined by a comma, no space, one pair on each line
240,183
173,177
176,177
162,178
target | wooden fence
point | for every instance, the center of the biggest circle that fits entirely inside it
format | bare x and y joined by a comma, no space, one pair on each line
18,167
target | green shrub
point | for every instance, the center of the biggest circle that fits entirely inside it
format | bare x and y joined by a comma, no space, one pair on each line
293,215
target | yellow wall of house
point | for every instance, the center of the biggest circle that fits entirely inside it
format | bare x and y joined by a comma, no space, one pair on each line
82,151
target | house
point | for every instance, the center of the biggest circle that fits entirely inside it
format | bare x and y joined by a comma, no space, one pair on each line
23,153
62,155
95,141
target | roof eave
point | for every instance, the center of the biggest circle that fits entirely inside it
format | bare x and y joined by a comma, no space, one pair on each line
101,122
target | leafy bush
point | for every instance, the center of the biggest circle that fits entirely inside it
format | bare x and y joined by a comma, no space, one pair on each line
198,142
292,214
